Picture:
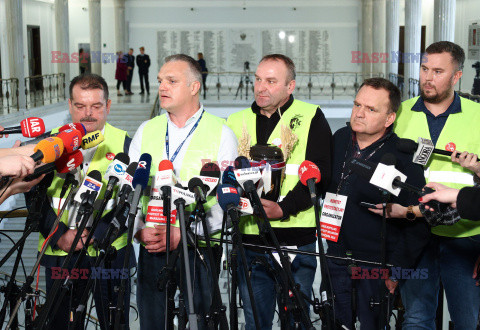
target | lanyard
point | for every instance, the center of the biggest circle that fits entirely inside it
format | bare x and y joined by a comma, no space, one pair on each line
343,176
167,143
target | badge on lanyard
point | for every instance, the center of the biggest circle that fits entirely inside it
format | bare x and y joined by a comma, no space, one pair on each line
332,216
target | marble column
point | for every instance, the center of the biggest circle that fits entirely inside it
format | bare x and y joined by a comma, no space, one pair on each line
62,36
413,32
378,35
16,58
367,35
94,15
120,26
444,20
393,35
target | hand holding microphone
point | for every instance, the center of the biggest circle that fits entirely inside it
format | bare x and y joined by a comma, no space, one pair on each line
16,166
467,160
442,194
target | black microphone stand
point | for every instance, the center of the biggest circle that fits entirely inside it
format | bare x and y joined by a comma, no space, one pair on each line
171,284
266,228
31,224
217,309
326,304
59,288
26,288
192,317
105,250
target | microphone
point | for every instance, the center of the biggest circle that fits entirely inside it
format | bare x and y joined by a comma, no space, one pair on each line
196,186
29,127
48,150
92,140
66,163
309,175
247,177
210,175
115,171
140,180
422,151
126,182
228,177
159,205
78,126
228,199
385,177
71,140
91,186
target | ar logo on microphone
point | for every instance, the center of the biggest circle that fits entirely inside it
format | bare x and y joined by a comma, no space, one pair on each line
110,155
451,147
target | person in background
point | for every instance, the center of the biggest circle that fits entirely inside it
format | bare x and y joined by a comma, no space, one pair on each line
121,73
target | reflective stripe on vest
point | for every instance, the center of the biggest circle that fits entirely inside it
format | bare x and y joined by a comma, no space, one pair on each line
114,142
302,114
462,129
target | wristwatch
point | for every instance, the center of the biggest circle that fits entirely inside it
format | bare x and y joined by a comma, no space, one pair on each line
410,214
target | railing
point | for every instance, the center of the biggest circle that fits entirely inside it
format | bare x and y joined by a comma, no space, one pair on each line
397,80
45,89
475,98
156,110
239,85
9,95
413,87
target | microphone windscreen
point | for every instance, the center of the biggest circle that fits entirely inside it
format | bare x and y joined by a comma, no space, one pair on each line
95,175
92,139
143,171
194,182
227,195
51,148
68,162
388,159
407,146
122,157
71,140
211,170
32,127
308,170
165,165
78,126
242,162
228,176
132,168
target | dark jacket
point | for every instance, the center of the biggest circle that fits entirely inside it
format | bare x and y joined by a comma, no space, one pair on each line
130,61
468,203
143,63
360,231
121,70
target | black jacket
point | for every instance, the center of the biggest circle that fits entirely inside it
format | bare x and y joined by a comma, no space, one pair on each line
143,63
360,231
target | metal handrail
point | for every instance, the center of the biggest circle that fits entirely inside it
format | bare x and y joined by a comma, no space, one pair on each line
44,89
9,95
156,110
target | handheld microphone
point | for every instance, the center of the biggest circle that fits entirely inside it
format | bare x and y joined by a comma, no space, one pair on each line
227,197
48,150
422,151
115,171
71,140
159,205
247,177
386,177
66,163
29,127
92,140
78,126
309,175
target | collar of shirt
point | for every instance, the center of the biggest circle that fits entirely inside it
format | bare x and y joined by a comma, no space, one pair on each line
454,107
357,152
256,109
189,121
